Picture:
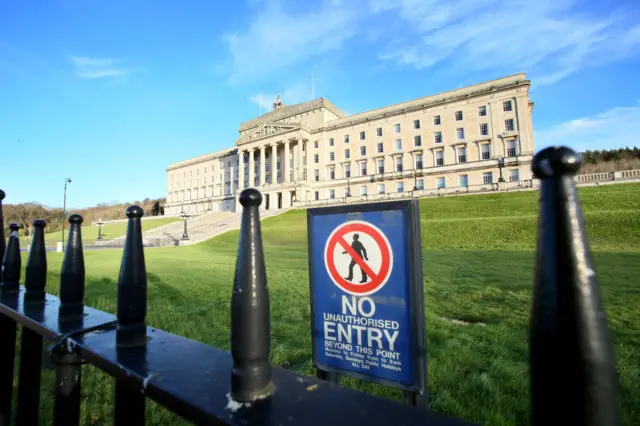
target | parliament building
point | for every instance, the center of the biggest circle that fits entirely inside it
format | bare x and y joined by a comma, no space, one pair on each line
311,153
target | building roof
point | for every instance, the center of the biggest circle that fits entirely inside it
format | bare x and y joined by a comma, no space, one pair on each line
203,158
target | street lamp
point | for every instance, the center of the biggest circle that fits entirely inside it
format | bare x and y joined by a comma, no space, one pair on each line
99,223
500,165
185,216
348,186
64,209
415,180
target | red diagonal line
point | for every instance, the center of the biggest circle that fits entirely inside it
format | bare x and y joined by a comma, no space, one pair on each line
358,259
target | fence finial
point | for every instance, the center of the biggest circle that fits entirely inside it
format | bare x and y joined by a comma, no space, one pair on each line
250,315
72,274
11,262
2,241
36,271
572,360
132,284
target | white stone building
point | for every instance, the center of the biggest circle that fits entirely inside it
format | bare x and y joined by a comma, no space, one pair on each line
312,152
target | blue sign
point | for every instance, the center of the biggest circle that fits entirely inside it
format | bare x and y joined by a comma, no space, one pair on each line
366,293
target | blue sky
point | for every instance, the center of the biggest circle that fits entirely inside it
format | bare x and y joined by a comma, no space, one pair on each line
110,92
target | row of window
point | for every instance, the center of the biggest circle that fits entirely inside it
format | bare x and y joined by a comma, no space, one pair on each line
417,140
482,111
463,182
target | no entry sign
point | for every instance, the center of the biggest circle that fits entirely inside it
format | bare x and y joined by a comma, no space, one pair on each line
365,267
346,249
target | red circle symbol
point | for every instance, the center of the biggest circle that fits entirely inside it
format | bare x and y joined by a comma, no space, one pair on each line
375,279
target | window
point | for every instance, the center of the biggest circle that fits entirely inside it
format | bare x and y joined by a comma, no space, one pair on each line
190,172
332,173
440,182
332,157
316,175
398,164
484,129
363,150
400,187
363,190
347,154
315,144
420,184
462,155
419,161
317,195
482,111
316,158
508,125
514,175
417,140
396,128
212,179
506,106
381,166
486,151
439,158
381,188
332,194
458,115
460,133
380,147
347,170
416,124
331,142
511,148
398,144
362,136
379,131
363,168
436,120
487,178
437,138
346,138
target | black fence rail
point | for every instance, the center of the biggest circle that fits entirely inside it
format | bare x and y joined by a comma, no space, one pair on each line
573,377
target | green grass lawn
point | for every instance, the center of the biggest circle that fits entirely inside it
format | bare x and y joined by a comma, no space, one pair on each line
109,230
478,258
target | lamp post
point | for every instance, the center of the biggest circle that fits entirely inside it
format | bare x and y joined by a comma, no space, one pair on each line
185,216
348,186
500,165
99,223
415,180
64,209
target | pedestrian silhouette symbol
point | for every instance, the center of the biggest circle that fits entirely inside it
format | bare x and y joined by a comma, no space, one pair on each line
358,247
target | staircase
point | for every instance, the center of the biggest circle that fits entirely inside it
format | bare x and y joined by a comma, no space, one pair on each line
202,228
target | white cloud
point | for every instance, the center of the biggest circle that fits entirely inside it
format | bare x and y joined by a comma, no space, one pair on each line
550,39
293,94
277,37
92,68
614,128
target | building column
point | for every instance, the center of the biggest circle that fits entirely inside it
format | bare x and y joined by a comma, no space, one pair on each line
299,165
309,163
274,164
241,171
252,170
433,157
232,180
263,172
285,154
296,160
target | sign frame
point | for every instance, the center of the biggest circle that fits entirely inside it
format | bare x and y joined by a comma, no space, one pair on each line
415,292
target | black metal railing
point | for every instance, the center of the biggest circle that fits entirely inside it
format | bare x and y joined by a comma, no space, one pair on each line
573,379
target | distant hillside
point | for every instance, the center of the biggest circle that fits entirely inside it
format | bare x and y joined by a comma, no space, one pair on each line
26,213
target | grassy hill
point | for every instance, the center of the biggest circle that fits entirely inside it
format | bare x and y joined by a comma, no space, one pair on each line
478,258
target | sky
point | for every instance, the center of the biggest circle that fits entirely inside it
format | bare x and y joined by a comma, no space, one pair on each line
110,92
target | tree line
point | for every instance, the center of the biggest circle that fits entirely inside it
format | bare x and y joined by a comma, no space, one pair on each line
26,213
610,160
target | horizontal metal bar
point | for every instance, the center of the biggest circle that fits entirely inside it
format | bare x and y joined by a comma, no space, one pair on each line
193,379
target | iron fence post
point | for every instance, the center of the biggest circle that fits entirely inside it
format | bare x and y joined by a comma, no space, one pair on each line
250,309
131,333
573,375
69,365
31,346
